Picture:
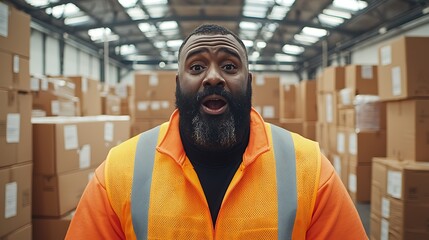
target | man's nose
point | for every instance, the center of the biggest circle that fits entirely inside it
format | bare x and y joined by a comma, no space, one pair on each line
213,78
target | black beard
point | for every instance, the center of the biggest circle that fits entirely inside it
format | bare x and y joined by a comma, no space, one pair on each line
214,133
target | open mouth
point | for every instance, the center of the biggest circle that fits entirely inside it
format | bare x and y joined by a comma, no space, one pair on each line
214,105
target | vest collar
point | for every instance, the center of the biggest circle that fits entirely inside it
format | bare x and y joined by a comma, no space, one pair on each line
258,140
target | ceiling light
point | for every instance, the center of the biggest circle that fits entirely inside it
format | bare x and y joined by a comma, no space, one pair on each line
292,49
330,20
127,3
168,25
127,49
154,2
286,3
136,13
305,38
249,25
174,43
157,11
40,3
248,43
65,10
255,55
315,32
351,5
159,44
74,21
336,13
278,13
255,11
248,34
259,2
98,33
272,27
261,44
148,30
284,57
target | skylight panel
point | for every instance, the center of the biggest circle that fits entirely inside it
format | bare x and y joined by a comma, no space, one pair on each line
316,32
75,21
351,5
292,49
337,13
278,13
136,13
127,3
330,20
305,39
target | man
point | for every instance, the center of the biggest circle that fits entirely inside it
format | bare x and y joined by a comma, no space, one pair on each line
216,170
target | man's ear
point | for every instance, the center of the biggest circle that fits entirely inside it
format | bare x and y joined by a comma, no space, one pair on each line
250,77
177,78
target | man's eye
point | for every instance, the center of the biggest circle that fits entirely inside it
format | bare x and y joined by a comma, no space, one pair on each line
197,68
229,67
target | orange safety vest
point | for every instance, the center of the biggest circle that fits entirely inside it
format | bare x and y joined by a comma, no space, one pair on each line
268,198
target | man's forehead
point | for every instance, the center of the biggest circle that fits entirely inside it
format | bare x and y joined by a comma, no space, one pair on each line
212,40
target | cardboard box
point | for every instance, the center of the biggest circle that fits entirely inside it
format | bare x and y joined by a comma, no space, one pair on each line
141,125
15,128
359,181
406,181
402,70
263,86
63,144
363,146
333,138
15,197
153,95
55,195
309,130
330,101
54,104
333,79
15,38
22,233
111,104
370,115
52,228
322,136
293,125
408,130
346,97
125,106
14,72
306,101
346,118
321,107
288,100
341,165
363,79
87,92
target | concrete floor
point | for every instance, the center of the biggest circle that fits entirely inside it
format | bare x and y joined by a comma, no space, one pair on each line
364,210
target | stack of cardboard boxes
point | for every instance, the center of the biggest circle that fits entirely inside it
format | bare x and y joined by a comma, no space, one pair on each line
66,152
399,186
15,125
152,100
110,102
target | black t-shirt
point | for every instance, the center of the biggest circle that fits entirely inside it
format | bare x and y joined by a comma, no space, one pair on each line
215,170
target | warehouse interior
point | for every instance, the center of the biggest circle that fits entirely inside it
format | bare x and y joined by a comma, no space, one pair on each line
80,77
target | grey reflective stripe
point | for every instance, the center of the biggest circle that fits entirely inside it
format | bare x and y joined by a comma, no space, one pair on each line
142,179
284,152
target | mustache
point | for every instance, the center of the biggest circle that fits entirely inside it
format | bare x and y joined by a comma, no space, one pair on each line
213,90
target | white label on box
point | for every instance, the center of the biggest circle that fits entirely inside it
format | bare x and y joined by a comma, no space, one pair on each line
34,84
11,199
55,107
155,105
84,85
366,72
153,80
70,137
268,111
352,183
341,138
44,85
90,176
337,164
165,104
15,64
386,55
394,183
329,110
121,90
396,81
4,19
385,207
108,131
85,156
143,105
353,143
345,95
260,81
12,127
384,233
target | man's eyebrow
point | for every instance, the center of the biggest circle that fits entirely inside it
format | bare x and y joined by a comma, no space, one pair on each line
230,52
196,52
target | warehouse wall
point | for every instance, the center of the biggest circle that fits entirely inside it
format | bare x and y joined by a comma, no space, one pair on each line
368,53
36,46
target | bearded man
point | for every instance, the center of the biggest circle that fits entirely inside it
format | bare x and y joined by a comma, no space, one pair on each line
216,170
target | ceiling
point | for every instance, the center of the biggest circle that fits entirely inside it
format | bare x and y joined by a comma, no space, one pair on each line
148,32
